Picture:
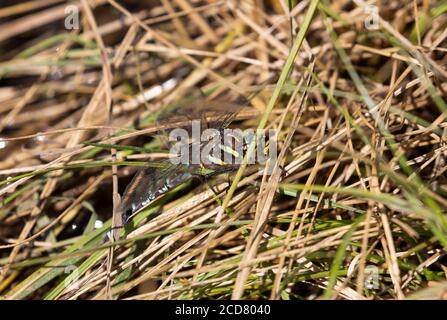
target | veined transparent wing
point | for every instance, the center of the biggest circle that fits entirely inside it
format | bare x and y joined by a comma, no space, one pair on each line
149,183
155,180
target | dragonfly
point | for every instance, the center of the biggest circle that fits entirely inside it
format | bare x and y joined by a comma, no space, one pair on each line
151,182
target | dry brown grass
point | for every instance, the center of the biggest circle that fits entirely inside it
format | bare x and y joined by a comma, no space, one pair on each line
361,120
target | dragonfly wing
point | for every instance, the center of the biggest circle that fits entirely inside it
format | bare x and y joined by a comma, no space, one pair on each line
148,184
215,113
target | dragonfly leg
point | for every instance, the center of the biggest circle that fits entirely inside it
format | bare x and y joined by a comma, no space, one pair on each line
229,180
284,171
205,180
